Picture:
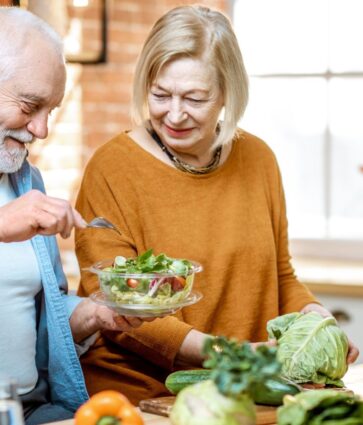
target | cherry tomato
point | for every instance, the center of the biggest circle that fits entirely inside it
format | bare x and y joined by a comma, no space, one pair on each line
132,283
178,283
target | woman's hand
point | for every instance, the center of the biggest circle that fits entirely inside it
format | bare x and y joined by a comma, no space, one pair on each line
353,351
190,352
89,317
317,308
269,343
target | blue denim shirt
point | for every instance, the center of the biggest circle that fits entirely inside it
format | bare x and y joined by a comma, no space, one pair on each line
56,356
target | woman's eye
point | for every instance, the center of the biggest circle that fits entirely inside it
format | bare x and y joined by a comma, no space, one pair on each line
159,95
195,100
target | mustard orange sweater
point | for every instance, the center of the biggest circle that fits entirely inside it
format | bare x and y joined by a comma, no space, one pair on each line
232,221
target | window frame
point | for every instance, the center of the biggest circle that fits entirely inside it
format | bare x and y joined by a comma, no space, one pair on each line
327,247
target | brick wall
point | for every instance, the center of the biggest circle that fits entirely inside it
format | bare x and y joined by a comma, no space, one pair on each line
96,105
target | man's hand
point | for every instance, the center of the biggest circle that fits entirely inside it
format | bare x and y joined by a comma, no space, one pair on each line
35,213
89,317
353,351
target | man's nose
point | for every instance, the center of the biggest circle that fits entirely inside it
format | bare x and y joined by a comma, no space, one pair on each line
38,125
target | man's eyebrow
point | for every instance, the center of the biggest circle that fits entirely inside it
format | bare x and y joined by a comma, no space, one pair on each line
33,97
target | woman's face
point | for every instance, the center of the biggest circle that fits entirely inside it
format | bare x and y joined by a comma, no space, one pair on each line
184,105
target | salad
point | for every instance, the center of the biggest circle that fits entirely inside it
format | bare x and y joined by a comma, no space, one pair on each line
147,279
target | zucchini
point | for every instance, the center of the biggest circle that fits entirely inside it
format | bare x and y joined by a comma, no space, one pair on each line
270,392
176,381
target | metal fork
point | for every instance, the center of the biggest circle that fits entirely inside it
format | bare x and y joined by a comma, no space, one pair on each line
103,223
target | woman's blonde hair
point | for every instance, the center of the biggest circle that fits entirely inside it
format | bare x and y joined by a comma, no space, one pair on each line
197,32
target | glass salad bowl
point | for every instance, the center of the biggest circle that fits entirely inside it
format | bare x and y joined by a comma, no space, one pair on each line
146,286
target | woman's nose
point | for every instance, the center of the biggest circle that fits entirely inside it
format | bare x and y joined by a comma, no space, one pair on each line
38,125
176,112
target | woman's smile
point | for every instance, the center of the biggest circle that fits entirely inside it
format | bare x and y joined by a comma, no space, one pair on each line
178,132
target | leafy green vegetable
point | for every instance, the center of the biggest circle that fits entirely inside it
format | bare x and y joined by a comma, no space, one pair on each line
225,398
311,348
321,407
236,368
150,263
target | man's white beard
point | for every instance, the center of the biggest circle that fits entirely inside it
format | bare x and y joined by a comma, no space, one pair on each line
11,159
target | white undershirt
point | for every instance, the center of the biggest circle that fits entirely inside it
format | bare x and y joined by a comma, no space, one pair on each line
19,283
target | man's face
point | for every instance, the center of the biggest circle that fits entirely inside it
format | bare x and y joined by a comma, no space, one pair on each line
26,100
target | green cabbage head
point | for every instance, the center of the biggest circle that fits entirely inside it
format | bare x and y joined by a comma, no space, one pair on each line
310,347
202,404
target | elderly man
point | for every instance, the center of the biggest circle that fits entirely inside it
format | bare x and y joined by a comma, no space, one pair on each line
39,322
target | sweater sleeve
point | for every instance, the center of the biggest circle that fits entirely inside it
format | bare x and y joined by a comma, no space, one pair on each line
158,341
293,295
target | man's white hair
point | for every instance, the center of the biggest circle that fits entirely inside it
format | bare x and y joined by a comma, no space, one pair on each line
17,28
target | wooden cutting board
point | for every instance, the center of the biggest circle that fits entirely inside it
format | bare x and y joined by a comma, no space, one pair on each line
162,406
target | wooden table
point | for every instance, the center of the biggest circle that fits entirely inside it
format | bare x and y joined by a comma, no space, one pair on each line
353,380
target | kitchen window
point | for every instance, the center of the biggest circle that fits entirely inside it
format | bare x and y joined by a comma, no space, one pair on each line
305,61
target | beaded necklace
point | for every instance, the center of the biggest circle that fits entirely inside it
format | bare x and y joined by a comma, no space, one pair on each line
183,166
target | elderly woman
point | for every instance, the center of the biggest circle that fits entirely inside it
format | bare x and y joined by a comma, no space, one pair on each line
186,183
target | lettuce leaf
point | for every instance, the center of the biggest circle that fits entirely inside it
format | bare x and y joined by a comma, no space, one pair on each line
311,348
321,407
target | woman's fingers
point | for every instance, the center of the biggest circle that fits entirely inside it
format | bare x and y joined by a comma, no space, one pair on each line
269,343
353,353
